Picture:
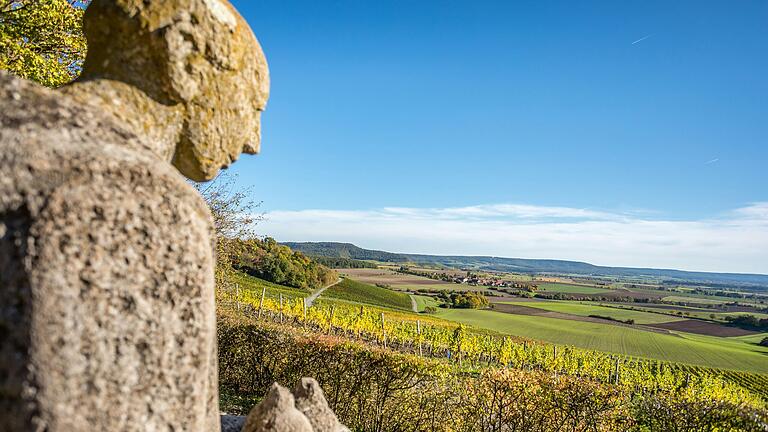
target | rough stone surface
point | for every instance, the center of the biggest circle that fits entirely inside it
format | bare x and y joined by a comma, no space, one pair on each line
231,423
105,278
107,316
277,413
310,400
280,411
198,56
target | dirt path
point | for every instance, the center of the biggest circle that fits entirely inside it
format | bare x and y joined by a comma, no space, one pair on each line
414,305
315,294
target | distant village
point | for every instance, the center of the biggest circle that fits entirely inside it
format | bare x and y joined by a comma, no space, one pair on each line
469,279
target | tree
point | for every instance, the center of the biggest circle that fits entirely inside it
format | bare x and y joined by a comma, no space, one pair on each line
42,40
234,219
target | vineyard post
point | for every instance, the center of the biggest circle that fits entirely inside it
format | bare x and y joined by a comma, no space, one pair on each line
616,372
362,311
237,297
418,332
330,322
261,303
383,330
501,357
281,308
460,340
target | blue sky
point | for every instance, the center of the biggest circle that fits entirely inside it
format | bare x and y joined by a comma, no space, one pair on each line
411,111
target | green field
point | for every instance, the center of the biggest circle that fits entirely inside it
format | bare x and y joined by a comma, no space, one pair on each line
753,339
755,314
570,289
585,309
354,291
437,287
424,301
692,299
678,347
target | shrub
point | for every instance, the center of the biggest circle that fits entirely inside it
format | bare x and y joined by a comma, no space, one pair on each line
464,300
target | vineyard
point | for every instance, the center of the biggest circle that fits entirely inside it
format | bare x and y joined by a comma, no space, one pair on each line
354,291
472,350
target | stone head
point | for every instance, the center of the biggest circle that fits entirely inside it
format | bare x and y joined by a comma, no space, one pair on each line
198,55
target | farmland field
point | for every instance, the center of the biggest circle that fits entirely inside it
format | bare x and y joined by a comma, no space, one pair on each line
571,289
756,314
354,291
403,281
677,347
693,299
703,327
755,338
586,309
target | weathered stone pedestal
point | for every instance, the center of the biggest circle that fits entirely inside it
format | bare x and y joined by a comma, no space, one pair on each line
107,315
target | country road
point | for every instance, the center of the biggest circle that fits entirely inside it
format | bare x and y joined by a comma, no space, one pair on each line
414,305
312,297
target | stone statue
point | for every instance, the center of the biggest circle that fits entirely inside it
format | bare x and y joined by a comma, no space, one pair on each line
107,315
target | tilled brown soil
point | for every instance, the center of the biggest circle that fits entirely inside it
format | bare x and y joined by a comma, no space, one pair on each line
374,276
703,327
525,310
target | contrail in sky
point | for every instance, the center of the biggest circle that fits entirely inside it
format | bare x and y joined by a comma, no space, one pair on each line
642,39
712,161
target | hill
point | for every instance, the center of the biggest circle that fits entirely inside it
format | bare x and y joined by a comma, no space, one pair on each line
522,265
345,250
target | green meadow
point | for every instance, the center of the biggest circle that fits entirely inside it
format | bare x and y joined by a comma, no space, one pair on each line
693,299
423,301
570,289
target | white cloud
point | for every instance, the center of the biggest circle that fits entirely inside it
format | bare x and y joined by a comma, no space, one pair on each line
736,242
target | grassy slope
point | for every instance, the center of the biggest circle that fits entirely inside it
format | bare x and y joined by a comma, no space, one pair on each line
254,284
424,301
570,289
753,339
582,309
685,347
354,291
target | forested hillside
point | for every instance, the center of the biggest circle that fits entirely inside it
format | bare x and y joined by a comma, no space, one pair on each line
276,263
338,262
345,250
